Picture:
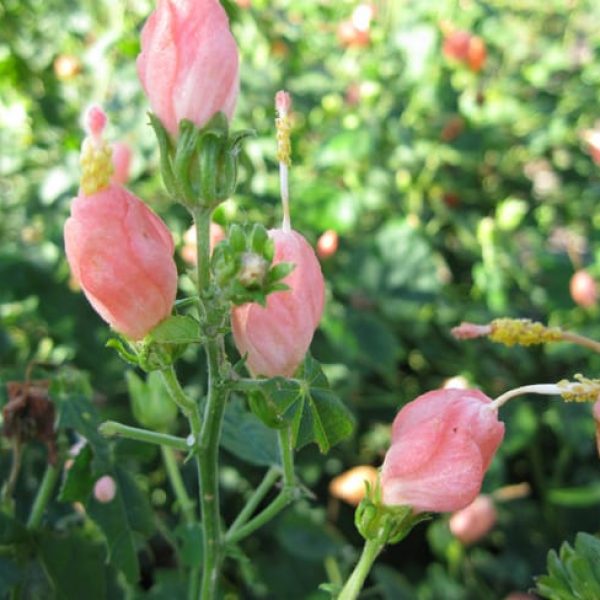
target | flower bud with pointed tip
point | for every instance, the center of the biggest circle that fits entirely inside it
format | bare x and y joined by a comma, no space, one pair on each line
583,289
442,444
277,337
188,65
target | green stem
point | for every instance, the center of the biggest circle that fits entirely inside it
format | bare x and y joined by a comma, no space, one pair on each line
43,496
356,580
113,428
185,403
283,498
259,493
208,452
202,218
185,503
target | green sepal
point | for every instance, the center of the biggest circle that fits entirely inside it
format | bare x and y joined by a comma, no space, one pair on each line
151,404
199,167
162,346
165,149
237,281
385,524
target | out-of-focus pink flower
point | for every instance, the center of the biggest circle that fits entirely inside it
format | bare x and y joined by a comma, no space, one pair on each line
592,139
276,337
327,244
188,65
121,157
442,445
520,596
350,485
188,250
473,522
105,489
470,331
121,254
351,37
584,289
464,47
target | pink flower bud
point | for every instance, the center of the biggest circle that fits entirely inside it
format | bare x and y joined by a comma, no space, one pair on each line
188,65
105,489
442,445
121,255
327,244
276,338
121,158
583,288
473,522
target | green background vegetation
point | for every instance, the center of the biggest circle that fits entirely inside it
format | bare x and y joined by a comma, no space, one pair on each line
434,229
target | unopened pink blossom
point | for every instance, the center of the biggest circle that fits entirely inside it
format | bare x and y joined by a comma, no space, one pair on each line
473,522
121,158
276,338
442,444
188,65
121,255
283,102
105,489
592,138
327,244
583,289
95,120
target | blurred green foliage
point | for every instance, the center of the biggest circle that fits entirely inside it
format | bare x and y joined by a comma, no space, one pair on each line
456,196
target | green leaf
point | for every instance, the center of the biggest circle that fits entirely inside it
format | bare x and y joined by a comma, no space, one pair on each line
190,537
574,573
588,495
120,519
78,413
325,419
247,438
151,404
11,531
74,565
79,479
178,329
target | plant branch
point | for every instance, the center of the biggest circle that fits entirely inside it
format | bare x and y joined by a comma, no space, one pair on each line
43,495
113,428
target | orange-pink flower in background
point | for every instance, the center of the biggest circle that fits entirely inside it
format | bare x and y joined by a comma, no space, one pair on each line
475,521
188,65
583,289
442,444
277,337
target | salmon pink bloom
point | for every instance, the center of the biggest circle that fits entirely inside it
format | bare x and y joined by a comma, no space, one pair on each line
327,244
442,444
119,251
473,522
188,65
277,337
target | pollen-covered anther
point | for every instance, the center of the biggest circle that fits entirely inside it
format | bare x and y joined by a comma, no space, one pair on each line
96,155
522,332
583,390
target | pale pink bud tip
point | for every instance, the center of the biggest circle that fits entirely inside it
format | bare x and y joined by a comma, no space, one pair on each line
442,444
472,523
105,489
121,158
583,289
470,331
283,102
95,120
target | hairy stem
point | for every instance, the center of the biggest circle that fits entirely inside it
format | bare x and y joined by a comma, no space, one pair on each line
356,580
282,499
